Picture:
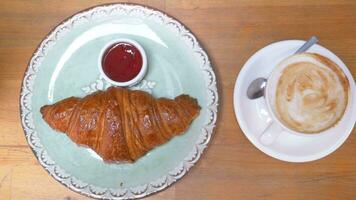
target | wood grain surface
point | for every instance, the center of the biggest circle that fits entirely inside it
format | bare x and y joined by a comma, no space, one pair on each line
231,31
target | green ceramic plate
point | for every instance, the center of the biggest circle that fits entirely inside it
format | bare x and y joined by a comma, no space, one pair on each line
65,64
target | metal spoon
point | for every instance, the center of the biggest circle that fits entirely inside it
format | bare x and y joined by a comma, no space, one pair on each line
257,87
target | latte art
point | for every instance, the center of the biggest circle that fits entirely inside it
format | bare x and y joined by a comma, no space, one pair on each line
311,93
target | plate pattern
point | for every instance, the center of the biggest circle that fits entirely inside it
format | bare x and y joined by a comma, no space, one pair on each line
102,84
26,112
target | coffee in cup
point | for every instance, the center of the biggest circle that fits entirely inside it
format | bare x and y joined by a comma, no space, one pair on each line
308,93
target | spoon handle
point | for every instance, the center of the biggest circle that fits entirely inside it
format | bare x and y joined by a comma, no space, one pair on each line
307,45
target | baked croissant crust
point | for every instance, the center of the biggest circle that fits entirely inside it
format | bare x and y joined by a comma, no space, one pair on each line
121,124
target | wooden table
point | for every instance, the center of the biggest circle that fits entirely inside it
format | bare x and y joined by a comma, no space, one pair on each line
231,31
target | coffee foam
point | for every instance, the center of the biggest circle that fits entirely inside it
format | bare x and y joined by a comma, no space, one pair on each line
311,93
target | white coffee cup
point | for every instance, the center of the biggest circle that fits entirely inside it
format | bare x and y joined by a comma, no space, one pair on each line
275,126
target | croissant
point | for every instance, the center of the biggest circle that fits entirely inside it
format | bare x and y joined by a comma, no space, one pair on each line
120,124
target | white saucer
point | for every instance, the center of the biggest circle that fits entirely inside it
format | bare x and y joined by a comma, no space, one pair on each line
253,116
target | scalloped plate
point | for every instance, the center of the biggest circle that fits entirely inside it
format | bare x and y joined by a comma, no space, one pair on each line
64,65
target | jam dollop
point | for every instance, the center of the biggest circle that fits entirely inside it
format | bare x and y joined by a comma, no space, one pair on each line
122,62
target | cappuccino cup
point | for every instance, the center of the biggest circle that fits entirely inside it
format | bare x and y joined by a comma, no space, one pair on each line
306,94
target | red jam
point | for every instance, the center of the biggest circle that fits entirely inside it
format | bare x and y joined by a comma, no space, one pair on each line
122,62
